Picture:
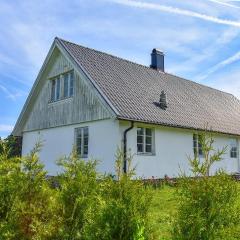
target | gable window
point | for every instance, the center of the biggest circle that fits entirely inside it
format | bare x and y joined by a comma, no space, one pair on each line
62,86
233,148
197,146
81,141
68,84
55,89
145,140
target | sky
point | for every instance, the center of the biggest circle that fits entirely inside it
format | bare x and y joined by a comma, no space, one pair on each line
200,39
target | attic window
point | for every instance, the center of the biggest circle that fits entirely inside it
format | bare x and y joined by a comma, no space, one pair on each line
62,86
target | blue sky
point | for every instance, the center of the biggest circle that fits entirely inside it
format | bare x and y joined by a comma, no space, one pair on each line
200,39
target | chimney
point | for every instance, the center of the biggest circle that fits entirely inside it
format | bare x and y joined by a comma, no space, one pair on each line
157,60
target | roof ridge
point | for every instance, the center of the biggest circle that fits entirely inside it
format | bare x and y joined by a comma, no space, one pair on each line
109,54
141,65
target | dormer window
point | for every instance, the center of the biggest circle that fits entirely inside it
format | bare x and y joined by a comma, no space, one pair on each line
62,86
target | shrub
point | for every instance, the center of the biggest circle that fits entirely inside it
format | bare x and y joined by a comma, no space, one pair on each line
207,204
27,202
78,196
124,207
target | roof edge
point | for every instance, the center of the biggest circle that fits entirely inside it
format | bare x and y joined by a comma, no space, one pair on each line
174,126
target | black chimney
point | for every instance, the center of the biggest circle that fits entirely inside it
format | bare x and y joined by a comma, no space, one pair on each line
157,60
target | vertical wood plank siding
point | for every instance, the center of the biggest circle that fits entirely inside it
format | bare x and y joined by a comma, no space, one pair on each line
85,105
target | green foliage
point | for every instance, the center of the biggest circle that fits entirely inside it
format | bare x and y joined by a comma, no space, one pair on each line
27,202
13,144
124,207
78,196
207,204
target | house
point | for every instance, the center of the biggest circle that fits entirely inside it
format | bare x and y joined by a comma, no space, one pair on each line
99,102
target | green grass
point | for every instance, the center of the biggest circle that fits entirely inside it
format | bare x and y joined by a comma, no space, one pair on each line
163,209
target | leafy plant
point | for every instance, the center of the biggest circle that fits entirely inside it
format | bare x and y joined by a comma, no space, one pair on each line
124,207
207,204
78,196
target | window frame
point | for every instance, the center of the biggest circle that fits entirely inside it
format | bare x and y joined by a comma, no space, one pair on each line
59,83
197,146
144,142
233,148
82,131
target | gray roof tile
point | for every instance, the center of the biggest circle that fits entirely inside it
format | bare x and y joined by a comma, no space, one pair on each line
133,88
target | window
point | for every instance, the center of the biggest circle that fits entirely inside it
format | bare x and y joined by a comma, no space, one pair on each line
197,146
81,141
145,140
68,85
57,91
53,89
233,148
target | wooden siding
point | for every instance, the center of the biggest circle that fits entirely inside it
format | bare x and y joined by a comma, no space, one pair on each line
85,105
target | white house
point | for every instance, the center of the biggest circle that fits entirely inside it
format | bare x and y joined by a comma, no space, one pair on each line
99,102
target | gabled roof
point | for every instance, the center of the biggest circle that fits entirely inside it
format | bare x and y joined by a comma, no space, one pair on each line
133,89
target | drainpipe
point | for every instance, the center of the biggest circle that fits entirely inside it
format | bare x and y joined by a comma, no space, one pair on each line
238,157
125,147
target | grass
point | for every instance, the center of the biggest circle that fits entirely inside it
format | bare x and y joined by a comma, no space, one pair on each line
163,209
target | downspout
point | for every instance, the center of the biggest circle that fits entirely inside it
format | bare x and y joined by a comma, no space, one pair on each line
238,157
125,147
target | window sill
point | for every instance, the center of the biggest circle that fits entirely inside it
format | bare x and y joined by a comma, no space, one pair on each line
146,154
63,100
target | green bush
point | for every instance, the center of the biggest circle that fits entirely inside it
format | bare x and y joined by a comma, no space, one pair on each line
78,196
124,207
208,207
27,202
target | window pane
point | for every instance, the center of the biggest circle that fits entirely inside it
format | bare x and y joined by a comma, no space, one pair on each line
71,84
79,145
58,89
148,132
140,148
53,82
148,148
85,150
148,140
65,86
85,132
140,131
139,139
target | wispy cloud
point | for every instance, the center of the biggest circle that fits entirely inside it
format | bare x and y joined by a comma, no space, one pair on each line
175,10
224,3
6,128
10,94
220,65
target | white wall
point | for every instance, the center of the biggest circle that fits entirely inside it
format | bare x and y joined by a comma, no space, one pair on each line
173,146
57,142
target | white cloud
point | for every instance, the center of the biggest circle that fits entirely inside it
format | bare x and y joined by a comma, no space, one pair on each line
224,3
6,128
174,10
220,65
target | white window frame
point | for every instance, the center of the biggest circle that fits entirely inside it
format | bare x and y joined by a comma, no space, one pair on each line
70,84
197,147
80,136
58,86
144,143
233,148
